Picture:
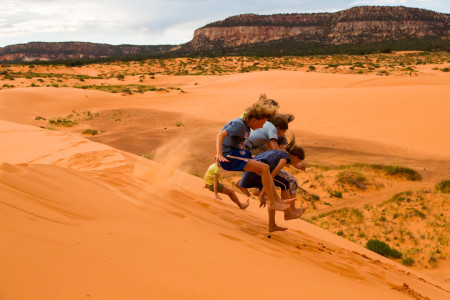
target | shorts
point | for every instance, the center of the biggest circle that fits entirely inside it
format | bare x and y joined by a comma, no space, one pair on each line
293,183
237,160
219,187
253,180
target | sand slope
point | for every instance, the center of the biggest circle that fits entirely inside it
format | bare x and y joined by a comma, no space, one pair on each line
83,220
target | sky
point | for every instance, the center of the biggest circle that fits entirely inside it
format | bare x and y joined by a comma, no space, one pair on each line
150,22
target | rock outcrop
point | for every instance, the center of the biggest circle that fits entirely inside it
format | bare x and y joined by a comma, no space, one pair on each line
364,24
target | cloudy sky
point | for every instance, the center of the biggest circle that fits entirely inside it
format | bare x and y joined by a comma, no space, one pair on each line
150,22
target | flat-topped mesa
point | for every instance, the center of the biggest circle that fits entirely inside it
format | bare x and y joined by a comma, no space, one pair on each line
44,51
363,24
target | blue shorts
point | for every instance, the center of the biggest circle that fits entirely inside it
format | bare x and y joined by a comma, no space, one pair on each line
237,160
253,180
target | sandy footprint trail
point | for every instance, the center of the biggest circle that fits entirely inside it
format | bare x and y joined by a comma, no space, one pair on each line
84,220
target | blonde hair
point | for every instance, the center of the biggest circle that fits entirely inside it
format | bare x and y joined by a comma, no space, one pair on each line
270,102
259,111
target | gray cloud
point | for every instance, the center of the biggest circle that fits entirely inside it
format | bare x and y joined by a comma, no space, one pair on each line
149,21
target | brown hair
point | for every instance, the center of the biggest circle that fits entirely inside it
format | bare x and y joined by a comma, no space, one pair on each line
282,121
295,150
259,111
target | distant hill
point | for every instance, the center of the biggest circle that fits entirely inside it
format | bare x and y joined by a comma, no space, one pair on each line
43,51
358,30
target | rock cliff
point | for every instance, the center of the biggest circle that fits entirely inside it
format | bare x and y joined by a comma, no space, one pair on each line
364,24
295,34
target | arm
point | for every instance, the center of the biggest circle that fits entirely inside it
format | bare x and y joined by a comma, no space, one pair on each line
276,170
215,187
262,199
279,166
219,141
272,145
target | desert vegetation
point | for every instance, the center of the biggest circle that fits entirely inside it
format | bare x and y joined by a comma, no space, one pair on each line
415,224
411,227
136,76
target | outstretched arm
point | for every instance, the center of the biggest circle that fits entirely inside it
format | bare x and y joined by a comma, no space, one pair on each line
216,183
219,141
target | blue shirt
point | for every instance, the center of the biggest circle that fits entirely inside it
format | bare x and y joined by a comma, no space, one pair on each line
272,158
259,137
238,132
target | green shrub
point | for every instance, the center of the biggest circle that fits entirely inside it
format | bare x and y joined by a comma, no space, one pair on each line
410,174
353,178
337,194
90,131
127,91
383,249
408,261
148,155
443,186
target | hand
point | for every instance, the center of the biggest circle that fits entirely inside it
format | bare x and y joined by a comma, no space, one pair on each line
218,198
262,201
300,166
221,158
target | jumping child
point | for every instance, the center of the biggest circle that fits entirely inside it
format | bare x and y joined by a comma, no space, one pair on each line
232,157
276,159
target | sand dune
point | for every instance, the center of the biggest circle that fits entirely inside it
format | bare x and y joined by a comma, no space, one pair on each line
81,219
409,113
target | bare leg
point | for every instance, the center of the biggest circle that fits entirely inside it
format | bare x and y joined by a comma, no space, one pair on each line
300,210
263,170
272,226
230,193
292,212
242,189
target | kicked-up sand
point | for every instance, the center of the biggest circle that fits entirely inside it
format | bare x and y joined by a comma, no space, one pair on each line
87,217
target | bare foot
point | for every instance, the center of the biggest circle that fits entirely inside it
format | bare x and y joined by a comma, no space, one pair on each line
245,204
278,206
300,210
276,228
288,201
289,214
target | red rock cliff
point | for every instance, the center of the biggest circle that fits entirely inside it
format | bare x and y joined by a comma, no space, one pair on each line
355,25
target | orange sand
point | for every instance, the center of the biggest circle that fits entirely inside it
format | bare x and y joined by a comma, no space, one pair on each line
82,220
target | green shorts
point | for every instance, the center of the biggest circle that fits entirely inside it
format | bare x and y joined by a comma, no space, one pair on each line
219,187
